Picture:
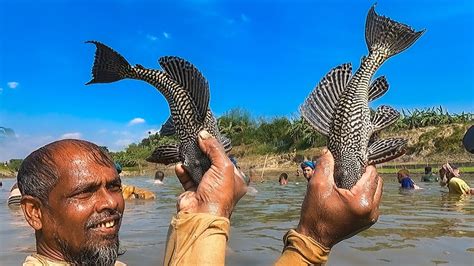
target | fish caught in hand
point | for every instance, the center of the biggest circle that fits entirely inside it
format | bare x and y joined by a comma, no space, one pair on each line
187,93
339,105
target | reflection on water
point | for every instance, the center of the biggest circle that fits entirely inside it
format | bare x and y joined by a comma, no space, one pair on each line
423,227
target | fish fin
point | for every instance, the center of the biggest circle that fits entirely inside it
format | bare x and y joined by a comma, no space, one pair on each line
109,66
378,88
388,36
384,117
192,80
165,154
168,129
384,150
226,142
318,109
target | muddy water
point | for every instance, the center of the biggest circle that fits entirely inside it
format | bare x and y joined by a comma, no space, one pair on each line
425,227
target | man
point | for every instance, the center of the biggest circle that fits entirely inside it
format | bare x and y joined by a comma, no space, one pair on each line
450,176
72,198
405,180
308,168
428,176
199,231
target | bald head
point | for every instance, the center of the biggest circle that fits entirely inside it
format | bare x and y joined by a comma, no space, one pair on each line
41,170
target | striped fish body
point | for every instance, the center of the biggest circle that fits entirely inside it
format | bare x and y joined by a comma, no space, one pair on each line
187,93
339,106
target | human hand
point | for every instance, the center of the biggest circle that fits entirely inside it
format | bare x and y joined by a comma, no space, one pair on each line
221,187
330,214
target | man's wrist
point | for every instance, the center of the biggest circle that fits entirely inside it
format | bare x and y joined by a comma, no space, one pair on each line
318,237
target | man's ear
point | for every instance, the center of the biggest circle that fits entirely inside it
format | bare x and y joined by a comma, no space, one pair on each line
31,207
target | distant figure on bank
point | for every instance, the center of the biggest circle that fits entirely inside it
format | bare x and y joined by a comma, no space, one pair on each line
159,176
428,176
450,176
14,199
283,179
308,168
405,180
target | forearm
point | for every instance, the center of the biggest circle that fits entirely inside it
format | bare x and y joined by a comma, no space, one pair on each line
196,239
302,250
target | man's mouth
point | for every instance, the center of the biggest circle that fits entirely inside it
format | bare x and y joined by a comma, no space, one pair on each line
108,224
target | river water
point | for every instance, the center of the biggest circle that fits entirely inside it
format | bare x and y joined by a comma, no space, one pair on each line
423,227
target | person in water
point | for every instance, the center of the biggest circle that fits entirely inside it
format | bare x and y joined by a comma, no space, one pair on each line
405,181
428,176
159,176
450,176
283,179
72,198
14,198
328,214
308,168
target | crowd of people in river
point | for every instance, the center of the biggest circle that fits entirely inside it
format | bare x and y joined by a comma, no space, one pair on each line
71,194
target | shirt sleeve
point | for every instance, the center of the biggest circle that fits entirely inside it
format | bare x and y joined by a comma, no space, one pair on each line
196,239
302,250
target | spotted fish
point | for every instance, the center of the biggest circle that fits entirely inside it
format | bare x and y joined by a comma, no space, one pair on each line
187,93
339,105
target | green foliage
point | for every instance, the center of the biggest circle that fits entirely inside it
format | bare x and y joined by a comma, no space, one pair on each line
434,116
281,134
15,164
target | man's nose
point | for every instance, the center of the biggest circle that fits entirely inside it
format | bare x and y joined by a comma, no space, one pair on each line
106,200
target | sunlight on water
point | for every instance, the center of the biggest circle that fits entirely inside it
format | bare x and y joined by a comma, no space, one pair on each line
425,227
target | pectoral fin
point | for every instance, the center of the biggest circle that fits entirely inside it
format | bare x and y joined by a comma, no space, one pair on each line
166,154
378,88
226,142
191,79
384,150
168,129
318,109
384,117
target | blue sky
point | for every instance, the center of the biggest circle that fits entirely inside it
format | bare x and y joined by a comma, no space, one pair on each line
263,56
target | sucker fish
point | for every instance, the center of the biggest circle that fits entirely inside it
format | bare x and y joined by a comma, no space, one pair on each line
187,93
339,105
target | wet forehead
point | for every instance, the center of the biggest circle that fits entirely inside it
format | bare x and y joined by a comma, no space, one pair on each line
79,168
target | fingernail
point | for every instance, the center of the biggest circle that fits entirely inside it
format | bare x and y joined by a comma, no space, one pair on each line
204,134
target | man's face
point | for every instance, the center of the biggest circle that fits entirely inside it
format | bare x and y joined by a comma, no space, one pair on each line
307,172
83,216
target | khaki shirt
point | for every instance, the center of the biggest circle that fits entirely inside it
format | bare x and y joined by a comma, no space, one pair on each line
40,260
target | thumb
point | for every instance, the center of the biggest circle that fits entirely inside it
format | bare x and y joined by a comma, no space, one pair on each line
325,167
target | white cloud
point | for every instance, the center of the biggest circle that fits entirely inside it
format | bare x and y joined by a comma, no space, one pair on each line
151,37
13,84
244,18
136,121
72,135
166,35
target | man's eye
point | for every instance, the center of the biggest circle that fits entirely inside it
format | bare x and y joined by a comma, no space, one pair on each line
84,194
116,188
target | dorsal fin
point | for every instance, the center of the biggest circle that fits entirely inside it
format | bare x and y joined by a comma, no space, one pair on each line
191,79
384,117
384,150
168,129
378,88
318,109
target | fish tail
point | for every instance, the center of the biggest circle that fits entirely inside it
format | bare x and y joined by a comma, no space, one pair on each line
109,66
387,36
